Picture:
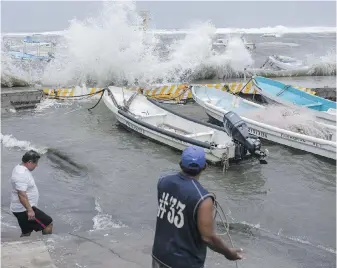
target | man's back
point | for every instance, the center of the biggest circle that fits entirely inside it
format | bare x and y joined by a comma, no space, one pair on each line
178,242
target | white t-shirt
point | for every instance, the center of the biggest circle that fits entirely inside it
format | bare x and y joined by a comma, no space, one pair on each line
22,180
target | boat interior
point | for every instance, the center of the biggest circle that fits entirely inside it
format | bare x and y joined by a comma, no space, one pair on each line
180,126
148,112
225,100
288,93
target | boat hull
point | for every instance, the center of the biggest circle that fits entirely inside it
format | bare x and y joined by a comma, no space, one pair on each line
162,139
302,142
290,65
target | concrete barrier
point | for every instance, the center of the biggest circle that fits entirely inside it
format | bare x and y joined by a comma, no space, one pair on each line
21,98
177,92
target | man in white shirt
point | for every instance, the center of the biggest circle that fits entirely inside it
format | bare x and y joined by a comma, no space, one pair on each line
25,196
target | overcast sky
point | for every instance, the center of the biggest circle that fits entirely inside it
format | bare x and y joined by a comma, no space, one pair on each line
38,16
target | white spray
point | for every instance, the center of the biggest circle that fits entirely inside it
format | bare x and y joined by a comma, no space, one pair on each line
113,47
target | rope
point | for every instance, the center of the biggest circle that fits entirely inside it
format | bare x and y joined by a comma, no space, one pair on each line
226,87
78,96
129,101
224,221
112,97
264,63
283,89
98,100
225,161
243,87
82,96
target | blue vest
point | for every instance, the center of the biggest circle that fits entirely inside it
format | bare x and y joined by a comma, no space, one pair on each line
177,241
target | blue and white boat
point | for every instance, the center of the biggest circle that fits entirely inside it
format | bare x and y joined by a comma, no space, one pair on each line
26,56
323,109
217,103
33,49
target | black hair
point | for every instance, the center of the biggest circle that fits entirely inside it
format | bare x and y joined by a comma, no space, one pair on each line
192,169
31,155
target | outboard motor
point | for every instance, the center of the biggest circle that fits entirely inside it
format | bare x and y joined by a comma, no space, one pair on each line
237,129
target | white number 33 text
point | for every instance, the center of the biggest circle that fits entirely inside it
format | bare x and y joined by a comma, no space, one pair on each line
174,212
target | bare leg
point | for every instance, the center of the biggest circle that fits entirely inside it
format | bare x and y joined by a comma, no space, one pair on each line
48,229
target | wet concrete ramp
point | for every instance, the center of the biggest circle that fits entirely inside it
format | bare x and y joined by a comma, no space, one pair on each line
26,254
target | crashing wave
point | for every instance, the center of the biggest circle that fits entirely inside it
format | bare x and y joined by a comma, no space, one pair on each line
113,49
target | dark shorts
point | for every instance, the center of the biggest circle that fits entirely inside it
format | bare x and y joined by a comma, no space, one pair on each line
28,226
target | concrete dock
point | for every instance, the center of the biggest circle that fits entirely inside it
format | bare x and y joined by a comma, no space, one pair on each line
122,248
20,98
117,247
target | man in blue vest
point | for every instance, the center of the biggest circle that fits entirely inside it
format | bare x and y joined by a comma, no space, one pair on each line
185,223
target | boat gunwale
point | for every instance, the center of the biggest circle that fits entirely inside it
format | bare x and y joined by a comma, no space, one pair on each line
249,103
166,132
215,162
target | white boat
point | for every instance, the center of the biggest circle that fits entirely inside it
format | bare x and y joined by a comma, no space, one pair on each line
283,63
217,103
147,117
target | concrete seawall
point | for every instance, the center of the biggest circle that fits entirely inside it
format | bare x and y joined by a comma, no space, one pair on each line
20,98
23,98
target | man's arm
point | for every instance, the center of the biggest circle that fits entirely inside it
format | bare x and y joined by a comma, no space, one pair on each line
24,200
205,223
21,186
